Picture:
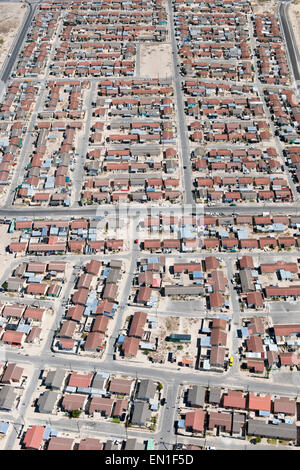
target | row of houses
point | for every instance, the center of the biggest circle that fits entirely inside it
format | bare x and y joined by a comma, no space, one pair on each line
268,346
267,280
213,348
84,31
271,58
220,131
243,160
47,179
94,301
21,323
15,110
238,414
123,169
99,395
50,237
13,381
64,101
47,438
35,52
220,244
243,188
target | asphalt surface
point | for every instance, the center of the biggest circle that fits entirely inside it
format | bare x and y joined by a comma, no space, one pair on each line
131,209
293,53
10,63
181,122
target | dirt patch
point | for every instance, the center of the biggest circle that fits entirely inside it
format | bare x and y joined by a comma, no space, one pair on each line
172,323
156,61
11,15
294,18
261,6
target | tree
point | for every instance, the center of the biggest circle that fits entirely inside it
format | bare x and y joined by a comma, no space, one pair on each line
159,386
4,285
75,413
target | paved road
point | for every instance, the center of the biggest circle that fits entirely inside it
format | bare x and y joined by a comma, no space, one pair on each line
138,61
279,147
10,63
289,37
80,160
109,353
181,122
131,209
172,382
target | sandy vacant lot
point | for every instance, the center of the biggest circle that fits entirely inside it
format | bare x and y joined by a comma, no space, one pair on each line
294,17
260,6
156,61
11,17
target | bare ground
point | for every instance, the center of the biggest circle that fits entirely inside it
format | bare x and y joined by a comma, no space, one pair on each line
294,18
156,61
11,17
261,6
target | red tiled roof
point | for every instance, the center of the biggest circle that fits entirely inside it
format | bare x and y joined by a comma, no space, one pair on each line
234,399
195,420
257,403
80,380
34,437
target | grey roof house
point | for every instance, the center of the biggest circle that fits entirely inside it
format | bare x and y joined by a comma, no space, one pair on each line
196,396
146,390
141,413
55,379
7,397
47,401
276,431
133,444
